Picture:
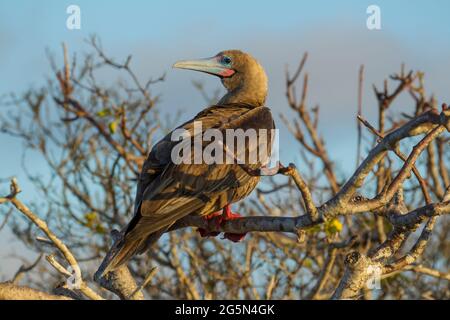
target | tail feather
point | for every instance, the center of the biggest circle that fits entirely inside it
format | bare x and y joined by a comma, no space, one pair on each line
124,249
120,253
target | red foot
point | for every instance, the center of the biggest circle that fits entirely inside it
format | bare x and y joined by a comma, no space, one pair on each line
235,237
204,232
221,217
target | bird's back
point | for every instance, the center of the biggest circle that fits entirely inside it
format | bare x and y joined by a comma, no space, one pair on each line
168,191
221,117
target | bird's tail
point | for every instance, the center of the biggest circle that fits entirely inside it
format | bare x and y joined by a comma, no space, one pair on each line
120,253
123,250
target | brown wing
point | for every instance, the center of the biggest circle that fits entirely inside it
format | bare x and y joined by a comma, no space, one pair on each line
160,155
167,192
184,189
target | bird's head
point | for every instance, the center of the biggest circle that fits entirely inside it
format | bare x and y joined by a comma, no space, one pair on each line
241,74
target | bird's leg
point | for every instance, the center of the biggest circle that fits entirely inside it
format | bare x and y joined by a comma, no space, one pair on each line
228,215
220,217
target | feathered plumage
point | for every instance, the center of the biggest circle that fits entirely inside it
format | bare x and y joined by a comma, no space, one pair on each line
166,191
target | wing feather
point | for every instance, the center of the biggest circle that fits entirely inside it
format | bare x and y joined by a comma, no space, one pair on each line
175,191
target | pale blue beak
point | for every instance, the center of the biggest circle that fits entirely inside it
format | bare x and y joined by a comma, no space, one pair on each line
208,65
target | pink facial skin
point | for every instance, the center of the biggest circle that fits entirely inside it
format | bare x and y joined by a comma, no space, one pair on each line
227,73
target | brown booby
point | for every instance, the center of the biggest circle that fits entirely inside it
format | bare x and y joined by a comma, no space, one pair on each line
167,192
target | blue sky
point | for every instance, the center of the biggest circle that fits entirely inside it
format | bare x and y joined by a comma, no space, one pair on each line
27,26
276,32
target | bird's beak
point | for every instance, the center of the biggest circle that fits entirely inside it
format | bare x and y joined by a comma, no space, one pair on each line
208,65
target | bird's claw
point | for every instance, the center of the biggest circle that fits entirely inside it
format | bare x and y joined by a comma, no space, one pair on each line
219,218
204,233
235,237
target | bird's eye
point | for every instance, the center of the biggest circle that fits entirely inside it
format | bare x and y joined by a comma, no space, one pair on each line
226,60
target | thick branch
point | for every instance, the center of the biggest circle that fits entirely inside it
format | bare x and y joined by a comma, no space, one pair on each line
9,291
248,224
430,120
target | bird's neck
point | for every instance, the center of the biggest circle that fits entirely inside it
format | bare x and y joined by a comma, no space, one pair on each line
249,88
243,95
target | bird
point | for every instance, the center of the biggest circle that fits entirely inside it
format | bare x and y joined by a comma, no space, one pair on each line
167,192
